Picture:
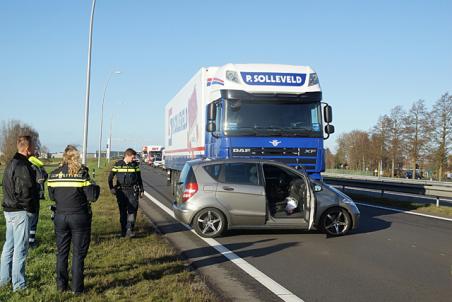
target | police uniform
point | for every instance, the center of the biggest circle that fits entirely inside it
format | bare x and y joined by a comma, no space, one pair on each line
129,186
72,223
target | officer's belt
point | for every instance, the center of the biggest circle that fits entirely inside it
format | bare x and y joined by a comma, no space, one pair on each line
127,187
125,170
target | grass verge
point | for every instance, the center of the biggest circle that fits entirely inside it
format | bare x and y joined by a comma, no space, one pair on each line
144,268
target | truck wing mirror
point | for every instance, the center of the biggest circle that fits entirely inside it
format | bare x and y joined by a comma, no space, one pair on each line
328,114
211,112
211,126
329,129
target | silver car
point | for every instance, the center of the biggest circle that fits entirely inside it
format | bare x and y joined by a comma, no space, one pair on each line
217,195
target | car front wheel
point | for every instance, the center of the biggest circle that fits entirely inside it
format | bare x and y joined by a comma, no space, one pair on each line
336,222
209,223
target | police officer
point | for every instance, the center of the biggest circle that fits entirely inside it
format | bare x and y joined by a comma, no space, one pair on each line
67,187
128,188
41,177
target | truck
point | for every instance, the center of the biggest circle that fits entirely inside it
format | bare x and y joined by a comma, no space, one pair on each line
264,111
153,155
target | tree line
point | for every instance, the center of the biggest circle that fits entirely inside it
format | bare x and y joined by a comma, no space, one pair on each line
410,142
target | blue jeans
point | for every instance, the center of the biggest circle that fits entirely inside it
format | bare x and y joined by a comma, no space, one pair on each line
12,263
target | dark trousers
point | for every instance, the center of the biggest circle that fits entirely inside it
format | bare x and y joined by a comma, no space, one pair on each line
75,228
33,225
128,207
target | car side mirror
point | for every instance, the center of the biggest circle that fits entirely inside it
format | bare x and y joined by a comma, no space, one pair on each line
211,126
317,188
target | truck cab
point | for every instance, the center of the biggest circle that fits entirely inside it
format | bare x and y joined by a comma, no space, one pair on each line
269,112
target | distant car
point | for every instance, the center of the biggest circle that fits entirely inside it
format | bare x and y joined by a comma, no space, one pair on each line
215,195
409,175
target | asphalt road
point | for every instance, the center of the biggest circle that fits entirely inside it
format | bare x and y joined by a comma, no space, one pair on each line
391,257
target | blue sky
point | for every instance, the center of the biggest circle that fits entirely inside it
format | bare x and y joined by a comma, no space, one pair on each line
369,57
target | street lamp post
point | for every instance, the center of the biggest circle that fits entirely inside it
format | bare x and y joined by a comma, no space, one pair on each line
88,80
109,140
102,115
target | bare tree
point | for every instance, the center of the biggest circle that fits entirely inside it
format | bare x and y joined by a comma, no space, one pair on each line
396,137
442,132
380,141
330,161
353,150
417,129
10,131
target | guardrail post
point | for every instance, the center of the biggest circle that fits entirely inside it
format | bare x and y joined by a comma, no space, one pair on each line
343,188
382,193
437,201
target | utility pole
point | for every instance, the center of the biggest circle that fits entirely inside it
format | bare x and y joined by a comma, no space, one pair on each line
88,81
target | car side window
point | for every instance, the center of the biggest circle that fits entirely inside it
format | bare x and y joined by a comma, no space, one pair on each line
241,173
214,171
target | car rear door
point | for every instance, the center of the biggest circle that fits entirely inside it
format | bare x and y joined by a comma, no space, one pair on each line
241,192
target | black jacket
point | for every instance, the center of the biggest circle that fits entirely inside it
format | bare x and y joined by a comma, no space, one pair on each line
19,186
68,191
127,175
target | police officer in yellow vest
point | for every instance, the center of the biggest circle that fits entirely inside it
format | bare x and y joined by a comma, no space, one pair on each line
41,177
69,187
128,189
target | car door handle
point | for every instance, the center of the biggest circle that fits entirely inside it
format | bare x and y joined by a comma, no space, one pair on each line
228,188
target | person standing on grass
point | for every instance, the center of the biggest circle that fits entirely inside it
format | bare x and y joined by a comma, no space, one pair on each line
128,189
20,198
41,177
67,187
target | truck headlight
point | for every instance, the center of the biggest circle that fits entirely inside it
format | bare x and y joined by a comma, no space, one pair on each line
313,79
232,76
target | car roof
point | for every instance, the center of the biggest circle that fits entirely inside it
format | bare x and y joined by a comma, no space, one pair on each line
209,161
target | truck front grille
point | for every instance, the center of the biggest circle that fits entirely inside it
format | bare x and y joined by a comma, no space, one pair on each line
306,157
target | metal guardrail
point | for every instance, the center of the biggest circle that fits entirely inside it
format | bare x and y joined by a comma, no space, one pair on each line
434,189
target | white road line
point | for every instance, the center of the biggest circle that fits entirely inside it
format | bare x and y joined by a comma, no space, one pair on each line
403,211
276,288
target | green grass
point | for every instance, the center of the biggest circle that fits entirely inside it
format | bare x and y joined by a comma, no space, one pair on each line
145,268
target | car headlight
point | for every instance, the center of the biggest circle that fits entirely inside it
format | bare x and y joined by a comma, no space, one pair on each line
313,79
348,201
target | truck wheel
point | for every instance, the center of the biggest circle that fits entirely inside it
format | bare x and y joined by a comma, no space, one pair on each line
336,222
209,223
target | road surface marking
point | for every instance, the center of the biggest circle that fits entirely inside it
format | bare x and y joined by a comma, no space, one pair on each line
403,211
283,293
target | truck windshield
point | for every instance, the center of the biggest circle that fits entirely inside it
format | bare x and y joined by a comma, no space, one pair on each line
156,155
273,117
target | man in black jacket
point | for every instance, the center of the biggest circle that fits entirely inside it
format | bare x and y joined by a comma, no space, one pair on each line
20,196
128,188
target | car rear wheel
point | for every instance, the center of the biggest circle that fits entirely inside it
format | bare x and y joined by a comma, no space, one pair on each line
336,222
209,223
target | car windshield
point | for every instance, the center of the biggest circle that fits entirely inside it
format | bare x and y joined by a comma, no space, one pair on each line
272,117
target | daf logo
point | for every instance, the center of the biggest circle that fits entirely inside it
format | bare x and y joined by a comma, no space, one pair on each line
275,142
310,151
241,150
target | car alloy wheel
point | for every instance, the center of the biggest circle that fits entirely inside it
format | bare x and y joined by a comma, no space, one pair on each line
336,222
209,223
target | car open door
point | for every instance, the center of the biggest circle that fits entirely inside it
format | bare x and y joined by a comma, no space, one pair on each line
309,203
